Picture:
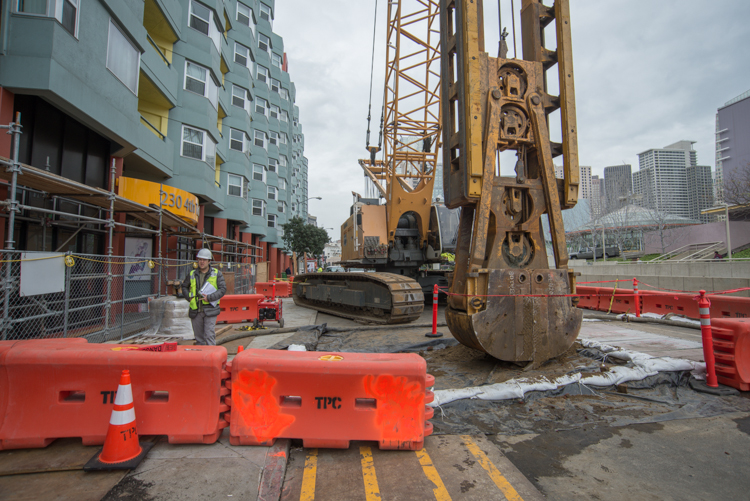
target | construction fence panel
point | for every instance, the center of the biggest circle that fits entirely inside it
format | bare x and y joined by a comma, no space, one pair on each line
44,295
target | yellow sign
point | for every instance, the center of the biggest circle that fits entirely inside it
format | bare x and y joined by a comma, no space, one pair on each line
331,358
179,202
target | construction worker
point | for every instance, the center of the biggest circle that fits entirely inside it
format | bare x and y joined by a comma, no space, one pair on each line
202,312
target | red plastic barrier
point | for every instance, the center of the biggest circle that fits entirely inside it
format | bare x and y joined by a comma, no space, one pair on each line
729,306
589,298
731,339
282,289
671,302
237,308
329,399
623,301
57,388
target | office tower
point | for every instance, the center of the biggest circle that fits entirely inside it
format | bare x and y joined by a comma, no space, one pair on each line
618,184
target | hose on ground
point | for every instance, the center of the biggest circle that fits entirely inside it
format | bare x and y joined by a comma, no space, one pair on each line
242,335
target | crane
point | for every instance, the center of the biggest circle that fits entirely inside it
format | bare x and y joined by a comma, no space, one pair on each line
505,297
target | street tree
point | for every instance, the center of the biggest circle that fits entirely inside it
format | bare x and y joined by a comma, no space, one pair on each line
737,191
303,238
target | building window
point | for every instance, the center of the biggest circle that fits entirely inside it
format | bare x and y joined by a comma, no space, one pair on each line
264,43
261,106
273,165
195,78
273,193
282,183
69,15
262,74
294,207
259,207
199,80
260,138
236,185
237,140
272,220
245,16
284,116
266,12
200,17
123,59
273,137
275,111
259,173
240,98
65,11
275,85
196,144
284,94
241,54
282,206
283,138
32,7
282,160
276,60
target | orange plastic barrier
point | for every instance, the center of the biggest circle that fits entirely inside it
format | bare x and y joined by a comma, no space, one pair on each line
670,302
623,301
283,289
589,298
56,388
732,351
329,399
730,307
237,308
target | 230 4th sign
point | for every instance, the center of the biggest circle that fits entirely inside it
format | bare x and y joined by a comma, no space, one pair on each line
179,202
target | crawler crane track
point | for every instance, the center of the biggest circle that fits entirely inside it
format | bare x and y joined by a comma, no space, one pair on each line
382,298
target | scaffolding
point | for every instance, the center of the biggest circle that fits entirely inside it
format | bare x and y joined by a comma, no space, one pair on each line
161,222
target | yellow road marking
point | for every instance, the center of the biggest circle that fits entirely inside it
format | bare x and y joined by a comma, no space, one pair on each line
372,490
441,494
308,477
497,477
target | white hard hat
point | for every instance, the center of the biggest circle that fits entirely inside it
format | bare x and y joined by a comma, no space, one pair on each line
205,254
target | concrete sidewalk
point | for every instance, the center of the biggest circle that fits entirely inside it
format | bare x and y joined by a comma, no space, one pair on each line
654,339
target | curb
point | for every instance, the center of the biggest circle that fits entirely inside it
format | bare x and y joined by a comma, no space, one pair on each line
272,478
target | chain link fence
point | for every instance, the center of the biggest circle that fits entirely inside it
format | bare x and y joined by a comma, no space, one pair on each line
45,295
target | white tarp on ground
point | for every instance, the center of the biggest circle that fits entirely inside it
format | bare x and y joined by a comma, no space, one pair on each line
643,366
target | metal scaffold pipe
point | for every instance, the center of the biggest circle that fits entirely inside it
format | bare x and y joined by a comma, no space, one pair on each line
14,128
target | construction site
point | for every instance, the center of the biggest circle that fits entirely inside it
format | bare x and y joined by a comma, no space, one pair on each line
460,354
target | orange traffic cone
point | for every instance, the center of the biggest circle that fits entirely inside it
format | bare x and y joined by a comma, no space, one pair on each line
121,450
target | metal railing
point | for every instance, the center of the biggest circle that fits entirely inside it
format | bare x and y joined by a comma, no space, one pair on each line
102,299
692,252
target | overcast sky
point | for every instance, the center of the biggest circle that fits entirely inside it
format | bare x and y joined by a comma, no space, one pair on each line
647,74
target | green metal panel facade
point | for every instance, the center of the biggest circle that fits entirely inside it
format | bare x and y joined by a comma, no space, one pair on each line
44,54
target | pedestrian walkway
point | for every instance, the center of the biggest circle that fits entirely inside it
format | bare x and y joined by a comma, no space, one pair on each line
448,467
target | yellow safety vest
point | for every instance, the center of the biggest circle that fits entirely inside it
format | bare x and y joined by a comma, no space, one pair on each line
211,279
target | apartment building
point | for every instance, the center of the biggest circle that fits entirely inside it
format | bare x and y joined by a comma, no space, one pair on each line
189,100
